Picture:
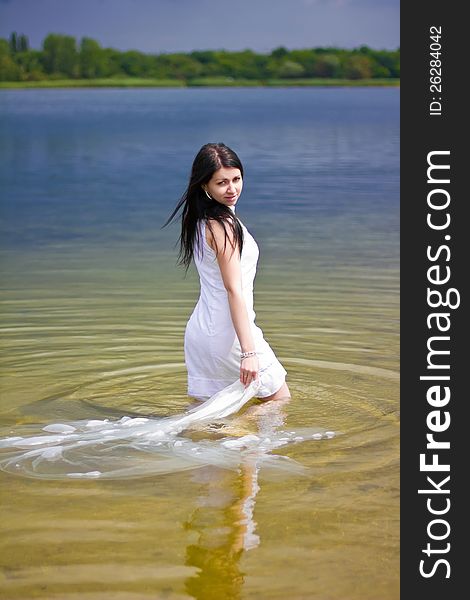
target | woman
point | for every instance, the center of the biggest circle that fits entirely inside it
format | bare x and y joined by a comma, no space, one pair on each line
222,342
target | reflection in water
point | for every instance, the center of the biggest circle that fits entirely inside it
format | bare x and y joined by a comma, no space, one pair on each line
223,519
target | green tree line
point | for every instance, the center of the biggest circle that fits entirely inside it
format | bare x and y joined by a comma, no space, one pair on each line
61,57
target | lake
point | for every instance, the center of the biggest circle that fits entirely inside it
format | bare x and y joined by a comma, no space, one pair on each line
93,311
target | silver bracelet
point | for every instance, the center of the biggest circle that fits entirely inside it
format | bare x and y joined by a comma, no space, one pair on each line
247,354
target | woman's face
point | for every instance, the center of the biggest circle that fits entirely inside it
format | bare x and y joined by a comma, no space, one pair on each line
225,185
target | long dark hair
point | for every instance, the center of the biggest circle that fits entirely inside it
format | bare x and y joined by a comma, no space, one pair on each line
196,205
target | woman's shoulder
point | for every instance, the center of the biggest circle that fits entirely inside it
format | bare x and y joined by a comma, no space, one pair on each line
221,224
218,231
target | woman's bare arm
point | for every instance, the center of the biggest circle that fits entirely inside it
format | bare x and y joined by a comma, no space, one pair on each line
230,269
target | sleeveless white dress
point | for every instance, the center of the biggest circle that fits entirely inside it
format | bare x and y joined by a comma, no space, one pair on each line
211,346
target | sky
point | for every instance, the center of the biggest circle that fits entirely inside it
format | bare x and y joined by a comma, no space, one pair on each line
161,26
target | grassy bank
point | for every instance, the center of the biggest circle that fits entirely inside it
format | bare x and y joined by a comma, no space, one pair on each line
334,82
79,83
131,82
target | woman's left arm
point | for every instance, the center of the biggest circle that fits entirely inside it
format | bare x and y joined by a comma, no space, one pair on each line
228,259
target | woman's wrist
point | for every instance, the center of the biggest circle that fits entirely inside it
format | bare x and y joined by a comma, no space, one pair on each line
247,354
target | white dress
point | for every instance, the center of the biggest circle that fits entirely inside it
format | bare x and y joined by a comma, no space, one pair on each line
211,346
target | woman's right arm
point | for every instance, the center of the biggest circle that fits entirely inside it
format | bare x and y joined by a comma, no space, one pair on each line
230,269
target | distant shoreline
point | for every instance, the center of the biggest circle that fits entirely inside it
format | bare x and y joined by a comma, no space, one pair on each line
130,82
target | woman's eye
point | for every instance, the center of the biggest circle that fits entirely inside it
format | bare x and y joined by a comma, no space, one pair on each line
225,182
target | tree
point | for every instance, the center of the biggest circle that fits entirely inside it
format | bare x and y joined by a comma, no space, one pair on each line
290,68
13,42
9,70
279,52
23,43
112,61
92,59
387,61
327,65
358,67
132,63
60,56
30,65
307,58
203,56
181,66
208,61
245,64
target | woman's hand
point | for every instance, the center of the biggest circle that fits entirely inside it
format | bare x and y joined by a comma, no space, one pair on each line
249,368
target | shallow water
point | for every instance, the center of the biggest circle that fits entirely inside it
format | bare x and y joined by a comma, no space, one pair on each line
93,314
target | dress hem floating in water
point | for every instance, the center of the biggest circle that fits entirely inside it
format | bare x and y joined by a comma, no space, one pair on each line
138,447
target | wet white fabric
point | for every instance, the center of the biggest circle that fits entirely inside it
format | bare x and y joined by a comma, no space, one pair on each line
211,346
135,447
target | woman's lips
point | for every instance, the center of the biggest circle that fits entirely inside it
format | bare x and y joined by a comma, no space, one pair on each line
231,197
